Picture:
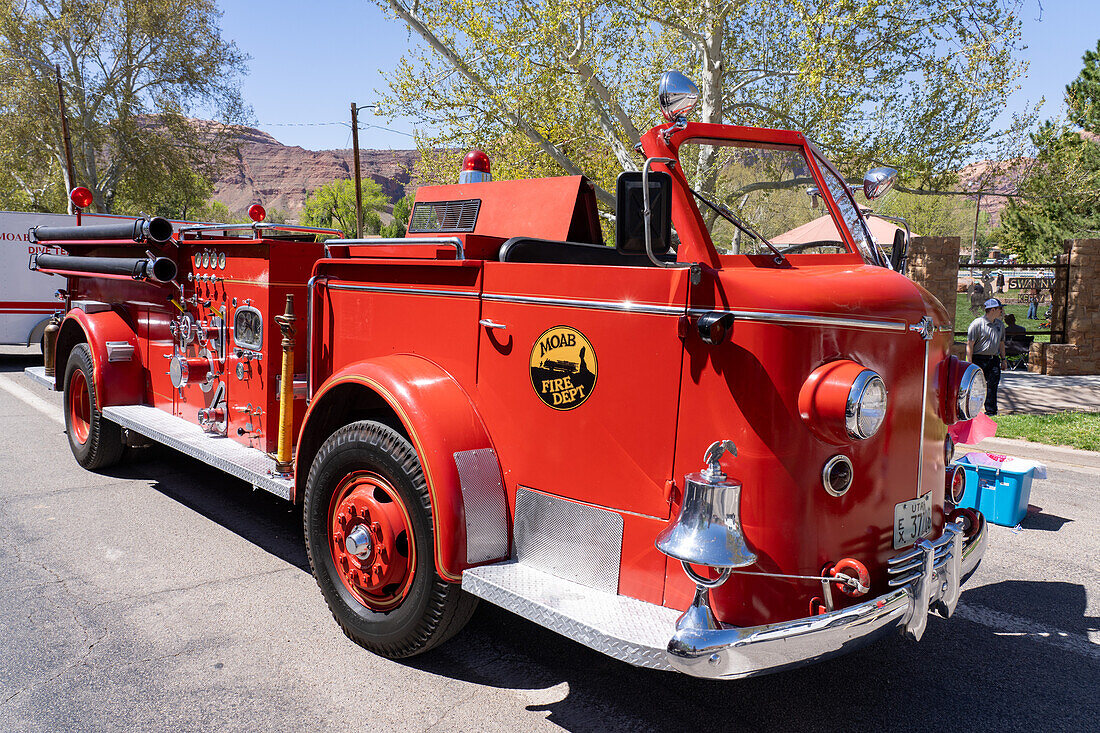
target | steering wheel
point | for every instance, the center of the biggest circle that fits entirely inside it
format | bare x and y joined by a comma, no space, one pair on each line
795,248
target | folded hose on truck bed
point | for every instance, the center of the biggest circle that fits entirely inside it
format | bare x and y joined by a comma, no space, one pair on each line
157,269
156,229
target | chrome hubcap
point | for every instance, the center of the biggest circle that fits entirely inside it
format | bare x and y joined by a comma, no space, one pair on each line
358,542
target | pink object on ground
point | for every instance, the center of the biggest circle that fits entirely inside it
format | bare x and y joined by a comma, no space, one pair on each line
973,431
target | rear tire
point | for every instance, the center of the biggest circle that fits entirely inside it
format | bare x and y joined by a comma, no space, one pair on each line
95,441
388,598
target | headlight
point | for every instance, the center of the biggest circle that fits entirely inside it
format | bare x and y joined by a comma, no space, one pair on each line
843,400
866,408
971,392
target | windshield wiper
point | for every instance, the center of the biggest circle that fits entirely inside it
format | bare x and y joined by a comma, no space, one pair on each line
732,218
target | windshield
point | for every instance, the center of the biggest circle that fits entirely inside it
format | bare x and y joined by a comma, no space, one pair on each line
769,188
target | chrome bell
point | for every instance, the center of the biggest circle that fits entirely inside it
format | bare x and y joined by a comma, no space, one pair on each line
708,530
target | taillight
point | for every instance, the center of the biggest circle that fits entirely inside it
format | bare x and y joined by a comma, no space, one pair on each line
956,485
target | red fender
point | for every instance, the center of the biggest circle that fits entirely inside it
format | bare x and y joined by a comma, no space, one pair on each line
440,420
119,382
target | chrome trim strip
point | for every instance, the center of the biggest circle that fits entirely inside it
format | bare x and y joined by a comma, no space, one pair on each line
800,319
623,306
403,291
923,417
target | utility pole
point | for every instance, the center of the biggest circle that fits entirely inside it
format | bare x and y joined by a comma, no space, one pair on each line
65,136
358,181
974,240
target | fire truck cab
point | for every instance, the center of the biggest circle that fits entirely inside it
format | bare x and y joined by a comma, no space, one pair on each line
718,447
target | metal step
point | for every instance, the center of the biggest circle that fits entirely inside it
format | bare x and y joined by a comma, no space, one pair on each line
624,628
247,464
38,374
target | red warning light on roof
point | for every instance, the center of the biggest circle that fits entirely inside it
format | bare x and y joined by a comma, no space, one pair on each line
81,197
475,168
257,213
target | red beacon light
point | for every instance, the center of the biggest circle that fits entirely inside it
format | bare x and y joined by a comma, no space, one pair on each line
81,197
475,168
257,213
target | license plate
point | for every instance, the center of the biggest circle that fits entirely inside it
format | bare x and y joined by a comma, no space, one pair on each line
912,520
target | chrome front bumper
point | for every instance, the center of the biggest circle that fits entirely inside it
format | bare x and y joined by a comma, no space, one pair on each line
924,579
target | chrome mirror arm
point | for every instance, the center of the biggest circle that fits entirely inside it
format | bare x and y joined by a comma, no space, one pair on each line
646,214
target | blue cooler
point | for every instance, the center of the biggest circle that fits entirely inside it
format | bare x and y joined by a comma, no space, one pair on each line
1000,493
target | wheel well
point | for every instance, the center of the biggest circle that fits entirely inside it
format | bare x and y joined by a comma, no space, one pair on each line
343,404
68,337
34,338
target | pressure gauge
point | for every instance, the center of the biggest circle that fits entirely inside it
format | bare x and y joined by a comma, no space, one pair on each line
198,260
221,261
248,328
206,259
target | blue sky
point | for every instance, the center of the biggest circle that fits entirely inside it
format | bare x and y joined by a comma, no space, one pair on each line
311,59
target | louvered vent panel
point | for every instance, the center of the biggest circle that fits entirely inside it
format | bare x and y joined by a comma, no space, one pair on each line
444,216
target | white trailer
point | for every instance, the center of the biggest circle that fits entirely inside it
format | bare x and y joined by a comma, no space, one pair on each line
27,298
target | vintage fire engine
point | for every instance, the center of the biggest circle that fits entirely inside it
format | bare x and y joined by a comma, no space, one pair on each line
717,447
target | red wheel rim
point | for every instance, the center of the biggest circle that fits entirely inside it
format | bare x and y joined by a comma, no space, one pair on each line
80,407
366,504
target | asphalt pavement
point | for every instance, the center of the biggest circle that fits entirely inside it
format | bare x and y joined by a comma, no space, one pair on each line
163,595
1025,393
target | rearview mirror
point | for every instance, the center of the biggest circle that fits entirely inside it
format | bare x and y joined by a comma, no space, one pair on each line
878,181
630,208
897,254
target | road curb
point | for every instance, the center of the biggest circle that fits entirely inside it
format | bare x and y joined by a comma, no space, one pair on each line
1041,451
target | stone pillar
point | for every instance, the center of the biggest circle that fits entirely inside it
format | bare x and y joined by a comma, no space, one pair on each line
934,264
1081,352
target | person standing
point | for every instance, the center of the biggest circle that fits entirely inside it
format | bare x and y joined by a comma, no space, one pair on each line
1033,303
985,346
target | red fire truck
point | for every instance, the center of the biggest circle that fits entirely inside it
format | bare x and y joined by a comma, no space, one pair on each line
713,447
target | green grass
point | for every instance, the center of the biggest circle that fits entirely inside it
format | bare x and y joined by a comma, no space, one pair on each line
1075,429
964,315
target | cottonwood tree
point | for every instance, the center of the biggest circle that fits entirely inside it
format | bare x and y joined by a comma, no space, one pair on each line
567,86
332,206
1060,199
131,73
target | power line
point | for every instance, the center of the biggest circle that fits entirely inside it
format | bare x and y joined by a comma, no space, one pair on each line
329,124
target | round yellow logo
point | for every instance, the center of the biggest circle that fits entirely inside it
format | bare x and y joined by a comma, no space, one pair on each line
563,368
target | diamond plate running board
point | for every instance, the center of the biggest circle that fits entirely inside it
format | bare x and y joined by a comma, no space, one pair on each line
624,628
247,464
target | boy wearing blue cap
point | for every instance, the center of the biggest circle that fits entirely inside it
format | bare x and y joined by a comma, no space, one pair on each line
985,346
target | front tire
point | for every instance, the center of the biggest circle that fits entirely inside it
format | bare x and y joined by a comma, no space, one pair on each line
368,528
95,441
